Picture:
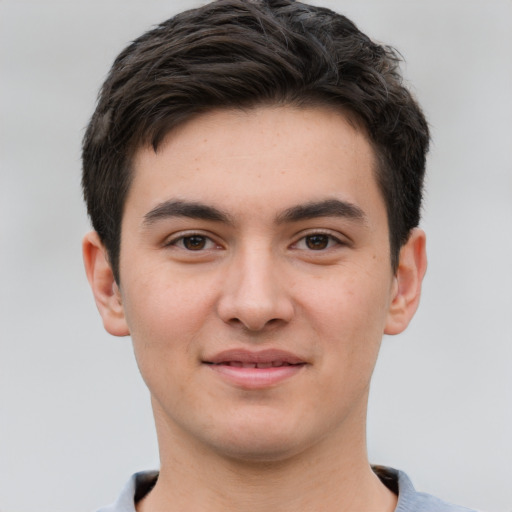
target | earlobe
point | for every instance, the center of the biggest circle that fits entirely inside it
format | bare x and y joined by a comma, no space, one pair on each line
104,287
407,286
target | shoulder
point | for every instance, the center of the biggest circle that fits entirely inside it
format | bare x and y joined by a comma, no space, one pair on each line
134,490
410,500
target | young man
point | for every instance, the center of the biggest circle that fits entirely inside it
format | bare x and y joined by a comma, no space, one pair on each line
253,172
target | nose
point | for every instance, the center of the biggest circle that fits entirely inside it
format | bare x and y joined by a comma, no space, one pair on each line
255,294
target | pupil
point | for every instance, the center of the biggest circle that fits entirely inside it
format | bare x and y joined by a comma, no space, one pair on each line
317,241
194,243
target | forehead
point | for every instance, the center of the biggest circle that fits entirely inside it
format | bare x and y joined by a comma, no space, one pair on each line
276,154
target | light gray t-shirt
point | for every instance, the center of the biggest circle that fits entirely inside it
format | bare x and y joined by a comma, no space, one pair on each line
409,500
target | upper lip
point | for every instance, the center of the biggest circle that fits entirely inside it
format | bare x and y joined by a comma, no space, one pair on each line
255,357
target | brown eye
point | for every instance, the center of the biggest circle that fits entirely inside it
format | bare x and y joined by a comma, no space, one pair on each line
317,242
194,243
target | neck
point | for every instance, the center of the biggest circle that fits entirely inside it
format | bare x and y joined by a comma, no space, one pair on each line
332,476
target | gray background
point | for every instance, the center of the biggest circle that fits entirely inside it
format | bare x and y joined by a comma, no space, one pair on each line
75,420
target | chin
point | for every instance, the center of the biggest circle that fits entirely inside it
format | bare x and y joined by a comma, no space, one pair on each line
258,452
263,443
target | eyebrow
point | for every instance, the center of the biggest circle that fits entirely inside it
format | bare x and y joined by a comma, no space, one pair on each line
326,208
311,210
192,210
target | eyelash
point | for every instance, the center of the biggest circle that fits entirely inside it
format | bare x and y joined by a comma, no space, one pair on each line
332,241
181,242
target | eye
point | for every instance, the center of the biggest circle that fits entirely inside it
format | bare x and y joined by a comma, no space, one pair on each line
317,242
194,243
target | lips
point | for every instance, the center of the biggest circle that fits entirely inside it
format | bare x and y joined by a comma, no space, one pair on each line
262,359
268,364
255,370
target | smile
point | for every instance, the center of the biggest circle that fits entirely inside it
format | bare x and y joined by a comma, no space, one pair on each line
255,370
270,364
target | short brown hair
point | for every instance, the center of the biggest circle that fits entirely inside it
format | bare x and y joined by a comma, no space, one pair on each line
241,54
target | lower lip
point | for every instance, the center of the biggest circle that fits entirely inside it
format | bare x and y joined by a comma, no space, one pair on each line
256,378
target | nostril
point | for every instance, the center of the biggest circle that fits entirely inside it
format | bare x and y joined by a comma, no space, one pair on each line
255,324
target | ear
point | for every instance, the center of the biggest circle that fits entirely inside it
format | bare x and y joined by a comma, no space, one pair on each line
407,286
103,285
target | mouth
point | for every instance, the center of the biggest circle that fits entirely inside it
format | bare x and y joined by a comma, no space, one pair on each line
267,364
255,370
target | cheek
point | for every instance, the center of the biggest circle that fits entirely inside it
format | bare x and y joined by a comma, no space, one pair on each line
164,320
350,299
161,301
349,316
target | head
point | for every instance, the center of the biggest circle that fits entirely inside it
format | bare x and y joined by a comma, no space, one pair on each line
238,54
253,171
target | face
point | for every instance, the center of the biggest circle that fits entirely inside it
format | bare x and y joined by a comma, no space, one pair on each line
255,280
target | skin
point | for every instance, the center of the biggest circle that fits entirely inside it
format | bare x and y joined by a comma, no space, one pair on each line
257,268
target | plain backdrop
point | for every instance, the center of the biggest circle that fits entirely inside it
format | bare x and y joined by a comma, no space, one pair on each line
75,420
